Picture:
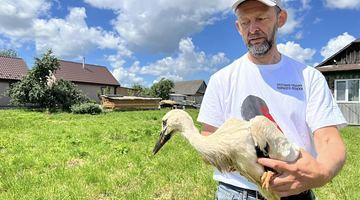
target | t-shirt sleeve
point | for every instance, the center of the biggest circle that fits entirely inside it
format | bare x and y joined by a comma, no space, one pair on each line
211,110
322,109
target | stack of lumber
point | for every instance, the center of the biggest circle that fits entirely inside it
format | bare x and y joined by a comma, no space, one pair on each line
130,103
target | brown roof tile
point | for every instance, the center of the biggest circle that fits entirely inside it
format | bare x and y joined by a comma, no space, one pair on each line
12,68
73,71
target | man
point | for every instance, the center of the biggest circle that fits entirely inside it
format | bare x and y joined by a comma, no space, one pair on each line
294,96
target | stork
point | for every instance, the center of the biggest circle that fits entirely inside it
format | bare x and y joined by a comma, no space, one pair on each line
234,145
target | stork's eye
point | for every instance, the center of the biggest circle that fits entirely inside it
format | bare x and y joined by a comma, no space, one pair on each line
164,123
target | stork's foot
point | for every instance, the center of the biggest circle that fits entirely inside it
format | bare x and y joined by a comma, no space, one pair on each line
266,178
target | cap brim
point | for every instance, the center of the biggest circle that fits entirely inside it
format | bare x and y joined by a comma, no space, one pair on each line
266,2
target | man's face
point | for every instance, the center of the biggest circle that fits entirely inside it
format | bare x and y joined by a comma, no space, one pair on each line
258,24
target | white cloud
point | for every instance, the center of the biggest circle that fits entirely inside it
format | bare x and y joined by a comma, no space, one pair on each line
6,43
343,4
159,25
71,37
295,51
336,44
296,10
304,4
17,17
299,35
292,23
187,62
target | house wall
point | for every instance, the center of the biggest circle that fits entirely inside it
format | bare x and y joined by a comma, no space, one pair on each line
332,76
177,98
4,100
350,56
196,98
202,88
93,91
351,112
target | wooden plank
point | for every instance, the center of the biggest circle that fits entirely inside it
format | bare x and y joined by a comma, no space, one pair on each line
351,112
131,104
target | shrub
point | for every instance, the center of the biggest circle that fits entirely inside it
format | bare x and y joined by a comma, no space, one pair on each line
40,88
86,108
162,88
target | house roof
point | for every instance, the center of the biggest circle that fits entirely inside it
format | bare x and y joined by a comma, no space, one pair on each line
188,87
75,72
334,68
337,54
12,68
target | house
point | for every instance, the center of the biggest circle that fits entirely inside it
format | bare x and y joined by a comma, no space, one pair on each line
192,91
342,73
125,91
11,71
93,80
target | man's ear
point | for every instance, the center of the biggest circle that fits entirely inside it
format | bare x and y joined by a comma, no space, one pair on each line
237,24
282,18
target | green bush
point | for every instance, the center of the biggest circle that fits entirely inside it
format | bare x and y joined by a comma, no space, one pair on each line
86,108
40,88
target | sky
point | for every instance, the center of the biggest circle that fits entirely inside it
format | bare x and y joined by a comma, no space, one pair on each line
142,42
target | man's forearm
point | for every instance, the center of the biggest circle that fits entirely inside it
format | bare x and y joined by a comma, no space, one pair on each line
331,151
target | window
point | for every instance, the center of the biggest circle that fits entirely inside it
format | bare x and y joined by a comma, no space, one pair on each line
347,90
340,88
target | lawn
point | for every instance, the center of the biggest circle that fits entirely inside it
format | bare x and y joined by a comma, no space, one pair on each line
109,156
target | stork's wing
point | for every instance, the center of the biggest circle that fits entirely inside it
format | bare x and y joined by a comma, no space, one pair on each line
265,133
230,145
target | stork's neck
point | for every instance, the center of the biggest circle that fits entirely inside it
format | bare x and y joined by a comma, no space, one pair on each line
192,134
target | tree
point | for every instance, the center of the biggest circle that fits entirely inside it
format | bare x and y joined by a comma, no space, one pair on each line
41,89
162,88
8,53
139,90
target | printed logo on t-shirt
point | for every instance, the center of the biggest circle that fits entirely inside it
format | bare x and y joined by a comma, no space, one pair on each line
254,106
290,86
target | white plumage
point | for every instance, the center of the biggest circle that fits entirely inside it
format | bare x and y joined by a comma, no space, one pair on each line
232,146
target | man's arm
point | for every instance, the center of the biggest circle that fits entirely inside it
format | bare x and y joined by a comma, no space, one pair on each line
307,172
207,129
331,150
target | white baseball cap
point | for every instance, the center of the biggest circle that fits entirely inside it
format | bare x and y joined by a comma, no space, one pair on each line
270,3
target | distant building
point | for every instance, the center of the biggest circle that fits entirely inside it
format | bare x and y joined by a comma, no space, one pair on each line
191,91
125,91
342,72
93,80
11,71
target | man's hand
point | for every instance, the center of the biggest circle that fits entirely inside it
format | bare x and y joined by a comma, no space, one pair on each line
296,177
308,172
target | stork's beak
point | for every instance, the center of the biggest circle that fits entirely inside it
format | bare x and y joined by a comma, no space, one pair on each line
162,140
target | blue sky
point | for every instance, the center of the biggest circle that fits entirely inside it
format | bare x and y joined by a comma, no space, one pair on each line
141,42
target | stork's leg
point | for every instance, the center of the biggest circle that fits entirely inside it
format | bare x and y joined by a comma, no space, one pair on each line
266,178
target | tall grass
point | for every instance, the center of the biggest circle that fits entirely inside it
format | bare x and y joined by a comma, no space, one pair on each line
109,156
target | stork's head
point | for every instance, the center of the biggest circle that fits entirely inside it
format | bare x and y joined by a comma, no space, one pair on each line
173,121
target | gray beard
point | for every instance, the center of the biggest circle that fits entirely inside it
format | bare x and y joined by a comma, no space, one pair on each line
260,50
263,48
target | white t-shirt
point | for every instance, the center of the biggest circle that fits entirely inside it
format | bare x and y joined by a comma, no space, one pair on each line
296,97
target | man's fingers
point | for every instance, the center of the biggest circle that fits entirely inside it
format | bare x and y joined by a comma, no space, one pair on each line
281,181
279,166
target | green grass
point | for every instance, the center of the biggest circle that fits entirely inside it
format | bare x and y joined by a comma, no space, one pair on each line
345,185
109,156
